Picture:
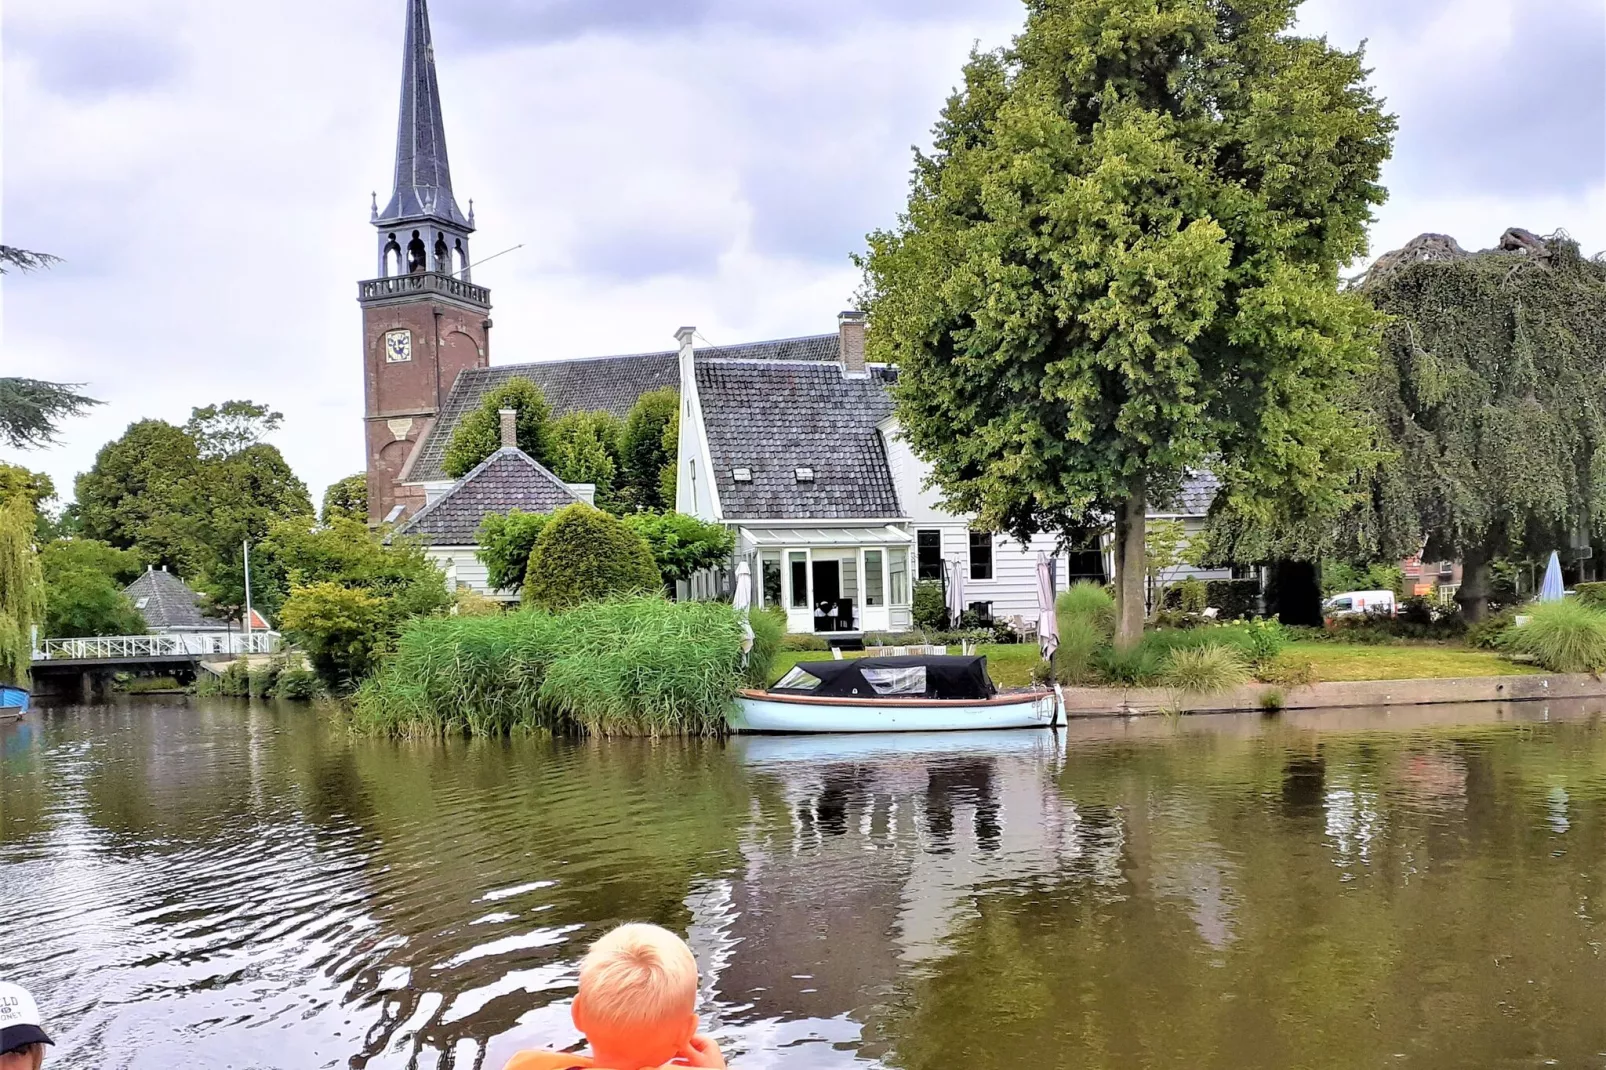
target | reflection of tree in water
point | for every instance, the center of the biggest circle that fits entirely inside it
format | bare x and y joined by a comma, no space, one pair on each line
961,781
1304,786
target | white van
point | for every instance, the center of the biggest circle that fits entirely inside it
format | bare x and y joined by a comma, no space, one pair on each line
1360,604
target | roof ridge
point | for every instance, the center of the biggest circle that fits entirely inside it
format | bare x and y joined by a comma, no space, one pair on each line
469,476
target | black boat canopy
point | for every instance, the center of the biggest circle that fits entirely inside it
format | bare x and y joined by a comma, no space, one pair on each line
911,676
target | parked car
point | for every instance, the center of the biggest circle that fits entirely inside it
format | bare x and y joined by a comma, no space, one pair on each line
1360,604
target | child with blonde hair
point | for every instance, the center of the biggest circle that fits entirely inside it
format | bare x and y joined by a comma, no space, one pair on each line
637,1007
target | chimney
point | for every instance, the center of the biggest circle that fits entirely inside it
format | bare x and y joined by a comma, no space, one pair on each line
510,426
850,345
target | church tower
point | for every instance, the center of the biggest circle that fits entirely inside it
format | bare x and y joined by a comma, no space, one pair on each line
424,320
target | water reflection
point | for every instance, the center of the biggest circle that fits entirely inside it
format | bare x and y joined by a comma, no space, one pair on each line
209,884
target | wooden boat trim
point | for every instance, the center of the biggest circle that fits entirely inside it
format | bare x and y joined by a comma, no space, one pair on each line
1012,699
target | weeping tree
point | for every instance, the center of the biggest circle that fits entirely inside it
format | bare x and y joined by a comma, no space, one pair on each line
1120,263
1491,395
22,587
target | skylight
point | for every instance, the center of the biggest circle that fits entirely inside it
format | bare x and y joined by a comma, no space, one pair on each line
142,603
742,475
805,475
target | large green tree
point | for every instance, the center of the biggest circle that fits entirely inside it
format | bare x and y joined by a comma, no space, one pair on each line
22,585
643,450
248,491
31,408
84,581
479,434
347,497
1490,396
1120,263
226,429
583,447
140,495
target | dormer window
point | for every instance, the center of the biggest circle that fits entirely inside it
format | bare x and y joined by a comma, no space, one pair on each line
742,475
805,475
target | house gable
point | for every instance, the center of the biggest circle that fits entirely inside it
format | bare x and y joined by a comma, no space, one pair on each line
507,479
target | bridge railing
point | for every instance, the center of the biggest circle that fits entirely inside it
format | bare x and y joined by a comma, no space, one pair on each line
130,647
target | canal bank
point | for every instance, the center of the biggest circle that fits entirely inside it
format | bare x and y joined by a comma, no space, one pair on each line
1134,701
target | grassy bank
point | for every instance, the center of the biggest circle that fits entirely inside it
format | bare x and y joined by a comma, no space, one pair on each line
640,666
1010,665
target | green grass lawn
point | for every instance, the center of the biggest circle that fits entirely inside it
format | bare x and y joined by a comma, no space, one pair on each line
1011,665
1407,661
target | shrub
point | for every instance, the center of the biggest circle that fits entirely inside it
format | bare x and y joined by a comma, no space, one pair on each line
1190,595
1262,640
929,610
1272,700
583,447
140,685
1043,673
1485,635
505,543
637,666
342,630
1592,594
1203,671
1135,666
1089,601
234,681
802,641
1561,636
769,630
682,545
585,555
1004,633
468,602
261,680
297,685
1233,599
1076,661
644,451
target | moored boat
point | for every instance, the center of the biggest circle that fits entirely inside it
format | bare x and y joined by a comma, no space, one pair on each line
13,702
913,693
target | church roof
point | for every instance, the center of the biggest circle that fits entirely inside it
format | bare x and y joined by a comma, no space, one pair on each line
775,417
166,602
507,479
594,384
423,173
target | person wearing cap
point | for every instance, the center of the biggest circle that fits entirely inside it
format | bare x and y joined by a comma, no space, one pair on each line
22,1035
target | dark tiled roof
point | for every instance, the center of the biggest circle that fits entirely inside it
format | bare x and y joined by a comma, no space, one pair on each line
777,416
605,384
1194,499
507,479
169,602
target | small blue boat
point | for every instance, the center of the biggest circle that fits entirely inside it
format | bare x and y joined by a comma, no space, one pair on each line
13,702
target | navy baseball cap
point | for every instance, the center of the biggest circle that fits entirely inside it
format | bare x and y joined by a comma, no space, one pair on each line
19,1019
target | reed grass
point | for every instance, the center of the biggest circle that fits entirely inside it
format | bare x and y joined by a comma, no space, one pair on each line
634,666
1204,671
1566,636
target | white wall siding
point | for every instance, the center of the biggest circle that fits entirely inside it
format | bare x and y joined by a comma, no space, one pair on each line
463,569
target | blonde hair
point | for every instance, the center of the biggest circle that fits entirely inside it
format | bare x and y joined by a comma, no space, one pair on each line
638,975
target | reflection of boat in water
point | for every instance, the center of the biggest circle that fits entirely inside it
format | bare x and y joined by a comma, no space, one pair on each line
819,749
915,693
13,702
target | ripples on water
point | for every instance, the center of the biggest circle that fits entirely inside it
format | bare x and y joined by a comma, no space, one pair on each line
209,885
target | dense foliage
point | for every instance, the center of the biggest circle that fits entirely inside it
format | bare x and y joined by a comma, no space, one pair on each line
639,666
1120,263
349,592
583,447
682,545
585,555
505,544
190,498
1564,636
22,587
1488,395
479,434
646,450
84,581
346,498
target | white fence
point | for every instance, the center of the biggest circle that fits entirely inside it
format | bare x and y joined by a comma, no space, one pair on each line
133,647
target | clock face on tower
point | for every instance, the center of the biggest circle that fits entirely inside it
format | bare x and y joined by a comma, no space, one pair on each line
398,346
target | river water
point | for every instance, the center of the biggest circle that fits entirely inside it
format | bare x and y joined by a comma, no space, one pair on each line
202,883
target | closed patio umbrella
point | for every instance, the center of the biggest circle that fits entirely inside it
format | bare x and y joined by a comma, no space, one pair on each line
742,602
956,593
1048,629
1552,590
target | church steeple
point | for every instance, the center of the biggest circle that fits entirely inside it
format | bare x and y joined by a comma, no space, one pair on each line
423,173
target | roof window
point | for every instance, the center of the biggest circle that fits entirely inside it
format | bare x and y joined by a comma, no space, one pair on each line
742,475
142,603
805,475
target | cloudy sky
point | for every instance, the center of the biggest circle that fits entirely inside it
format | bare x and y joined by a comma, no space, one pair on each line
205,169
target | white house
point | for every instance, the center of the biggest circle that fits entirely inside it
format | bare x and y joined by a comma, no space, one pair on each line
794,445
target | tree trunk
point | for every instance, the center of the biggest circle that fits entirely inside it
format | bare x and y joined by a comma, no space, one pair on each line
1130,573
1475,581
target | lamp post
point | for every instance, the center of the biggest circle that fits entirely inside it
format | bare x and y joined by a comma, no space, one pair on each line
247,547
